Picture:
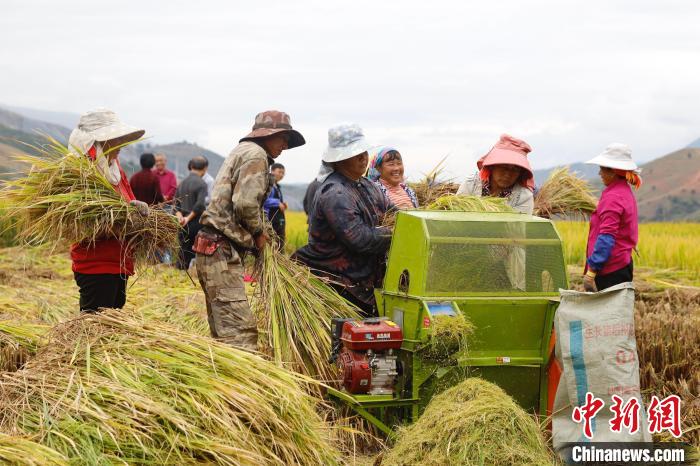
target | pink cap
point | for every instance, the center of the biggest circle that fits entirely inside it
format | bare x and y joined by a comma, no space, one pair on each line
509,151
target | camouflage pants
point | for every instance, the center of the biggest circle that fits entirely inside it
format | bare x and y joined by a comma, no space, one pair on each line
230,318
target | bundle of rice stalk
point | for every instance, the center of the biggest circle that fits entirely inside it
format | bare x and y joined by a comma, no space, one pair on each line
458,202
470,204
18,342
447,335
64,198
21,451
473,423
294,310
564,193
430,187
114,388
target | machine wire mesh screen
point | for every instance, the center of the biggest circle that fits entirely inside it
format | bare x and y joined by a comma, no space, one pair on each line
499,257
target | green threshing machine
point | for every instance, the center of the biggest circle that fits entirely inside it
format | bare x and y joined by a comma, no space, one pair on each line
502,271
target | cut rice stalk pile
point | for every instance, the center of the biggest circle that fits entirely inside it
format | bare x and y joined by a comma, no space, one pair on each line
668,345
564,193
458,202
430,188
473,423
294,310
19,451
19,341
114,388
470,204
64,198
447,336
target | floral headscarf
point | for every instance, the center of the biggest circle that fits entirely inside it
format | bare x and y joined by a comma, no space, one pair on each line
376,160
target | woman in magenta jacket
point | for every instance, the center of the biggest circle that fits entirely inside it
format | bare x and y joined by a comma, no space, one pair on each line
613,231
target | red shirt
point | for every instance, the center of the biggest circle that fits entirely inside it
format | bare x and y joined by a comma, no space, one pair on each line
616,215
168,183
146,187
105,255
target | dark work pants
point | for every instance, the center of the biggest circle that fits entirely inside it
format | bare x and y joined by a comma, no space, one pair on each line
101,290
615,278
367,309
187,236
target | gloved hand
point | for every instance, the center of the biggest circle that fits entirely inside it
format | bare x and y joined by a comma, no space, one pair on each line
141,206
589,283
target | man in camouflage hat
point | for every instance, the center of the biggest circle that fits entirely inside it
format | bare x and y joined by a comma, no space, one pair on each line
232,225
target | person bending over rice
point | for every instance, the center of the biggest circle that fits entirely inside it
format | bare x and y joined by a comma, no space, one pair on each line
102,268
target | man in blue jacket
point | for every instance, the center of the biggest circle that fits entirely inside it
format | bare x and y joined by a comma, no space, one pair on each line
274,205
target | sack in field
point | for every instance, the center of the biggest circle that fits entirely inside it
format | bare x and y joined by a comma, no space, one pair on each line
597,349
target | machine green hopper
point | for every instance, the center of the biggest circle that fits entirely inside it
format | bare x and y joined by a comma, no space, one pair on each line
502,271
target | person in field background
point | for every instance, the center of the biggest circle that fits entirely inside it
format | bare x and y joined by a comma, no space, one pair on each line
190,202
166,178
145,184
275,206
614,225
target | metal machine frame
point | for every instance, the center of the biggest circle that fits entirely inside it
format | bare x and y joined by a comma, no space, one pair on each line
513,327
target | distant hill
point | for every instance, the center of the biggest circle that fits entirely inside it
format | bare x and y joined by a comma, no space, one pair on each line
14,121
583,170
19,131
294,194
178,155
671,189
64,119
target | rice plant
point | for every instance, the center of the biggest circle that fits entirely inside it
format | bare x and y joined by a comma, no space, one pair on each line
117,388
65,199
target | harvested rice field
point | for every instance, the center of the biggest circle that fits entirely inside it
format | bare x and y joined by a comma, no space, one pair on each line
132,361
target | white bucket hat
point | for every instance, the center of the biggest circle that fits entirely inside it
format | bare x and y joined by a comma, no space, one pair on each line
617,156
101,125
344,142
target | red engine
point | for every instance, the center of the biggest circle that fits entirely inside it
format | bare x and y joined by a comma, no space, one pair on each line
365,352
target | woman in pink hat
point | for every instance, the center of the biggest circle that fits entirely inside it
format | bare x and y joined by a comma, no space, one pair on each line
504,172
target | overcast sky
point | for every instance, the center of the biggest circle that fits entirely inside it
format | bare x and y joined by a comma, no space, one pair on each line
432,78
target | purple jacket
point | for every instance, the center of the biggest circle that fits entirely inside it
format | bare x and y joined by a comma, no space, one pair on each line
615,216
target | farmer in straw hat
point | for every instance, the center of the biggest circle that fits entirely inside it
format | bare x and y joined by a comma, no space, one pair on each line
232,224
346,242
101,269
504,172
613,230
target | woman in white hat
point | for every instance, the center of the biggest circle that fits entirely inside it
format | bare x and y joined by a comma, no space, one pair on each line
613,231
346,242
101,269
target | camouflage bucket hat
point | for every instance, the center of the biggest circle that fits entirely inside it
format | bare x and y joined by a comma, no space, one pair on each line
272,122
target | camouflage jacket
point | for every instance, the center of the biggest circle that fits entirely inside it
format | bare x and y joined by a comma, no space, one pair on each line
241,187
345,240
